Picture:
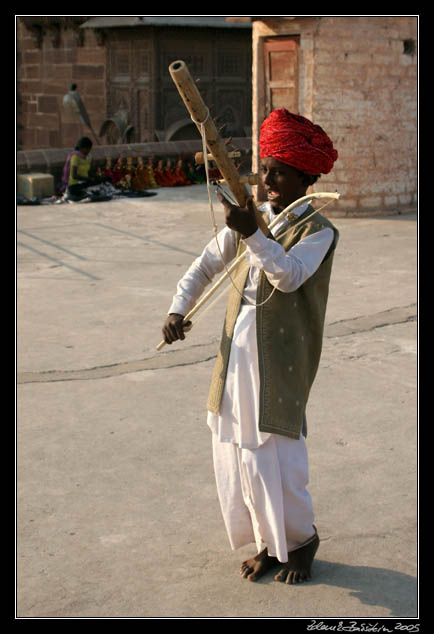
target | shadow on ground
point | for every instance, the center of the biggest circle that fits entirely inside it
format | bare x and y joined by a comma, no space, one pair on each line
395,591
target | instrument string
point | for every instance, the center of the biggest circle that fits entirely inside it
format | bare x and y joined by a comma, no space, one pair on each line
201,125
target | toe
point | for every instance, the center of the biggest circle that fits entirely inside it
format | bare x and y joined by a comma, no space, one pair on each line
281,575
290,578
293,577
297,576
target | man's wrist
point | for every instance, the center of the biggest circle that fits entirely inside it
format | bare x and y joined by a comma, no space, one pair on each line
257,241
249,233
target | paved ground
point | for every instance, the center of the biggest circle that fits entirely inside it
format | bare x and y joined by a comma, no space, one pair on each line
117,507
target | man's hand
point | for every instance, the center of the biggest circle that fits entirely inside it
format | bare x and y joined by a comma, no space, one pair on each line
241,219
174,327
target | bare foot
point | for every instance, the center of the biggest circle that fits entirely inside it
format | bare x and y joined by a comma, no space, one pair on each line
254,568
298,567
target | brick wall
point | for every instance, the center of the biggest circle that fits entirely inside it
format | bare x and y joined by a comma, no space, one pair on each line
359,82
368,105
45,71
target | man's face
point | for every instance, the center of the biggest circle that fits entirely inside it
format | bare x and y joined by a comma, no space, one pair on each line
283,184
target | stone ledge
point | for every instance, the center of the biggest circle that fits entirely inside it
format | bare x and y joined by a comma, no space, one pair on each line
49,159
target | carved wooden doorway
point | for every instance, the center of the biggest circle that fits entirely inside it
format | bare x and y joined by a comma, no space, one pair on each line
221,60
138,79
129,83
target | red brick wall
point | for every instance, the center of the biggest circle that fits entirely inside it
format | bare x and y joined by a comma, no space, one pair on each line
44,75
358,80
365,96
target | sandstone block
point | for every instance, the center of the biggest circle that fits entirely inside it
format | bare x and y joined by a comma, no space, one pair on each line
34,185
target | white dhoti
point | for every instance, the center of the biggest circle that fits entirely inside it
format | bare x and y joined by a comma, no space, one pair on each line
261,477
263,494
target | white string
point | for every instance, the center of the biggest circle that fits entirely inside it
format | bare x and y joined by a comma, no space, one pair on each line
201,124
218,298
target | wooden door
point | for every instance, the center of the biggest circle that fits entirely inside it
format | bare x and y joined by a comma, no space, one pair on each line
281,55
221,60
129,82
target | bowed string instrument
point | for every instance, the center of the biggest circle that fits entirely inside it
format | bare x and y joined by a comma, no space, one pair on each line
215,145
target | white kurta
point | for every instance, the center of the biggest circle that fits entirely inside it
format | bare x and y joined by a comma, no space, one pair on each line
261,477
237,420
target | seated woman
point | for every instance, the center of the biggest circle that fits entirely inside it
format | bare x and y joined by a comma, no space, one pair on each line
75,177
76,169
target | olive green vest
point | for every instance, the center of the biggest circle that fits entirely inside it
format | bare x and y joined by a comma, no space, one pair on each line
289,328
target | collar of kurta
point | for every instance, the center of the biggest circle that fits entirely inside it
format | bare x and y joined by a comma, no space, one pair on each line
291,217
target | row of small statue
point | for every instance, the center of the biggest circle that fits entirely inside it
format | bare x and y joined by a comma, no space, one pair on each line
149,176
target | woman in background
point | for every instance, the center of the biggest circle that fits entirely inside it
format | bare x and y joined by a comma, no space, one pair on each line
75,176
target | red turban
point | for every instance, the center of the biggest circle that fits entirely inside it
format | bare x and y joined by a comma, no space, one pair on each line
296,141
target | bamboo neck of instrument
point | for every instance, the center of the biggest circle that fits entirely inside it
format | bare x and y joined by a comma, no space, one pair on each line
200,115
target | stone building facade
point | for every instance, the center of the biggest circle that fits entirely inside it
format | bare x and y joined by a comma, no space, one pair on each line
357,78
120,65
51,55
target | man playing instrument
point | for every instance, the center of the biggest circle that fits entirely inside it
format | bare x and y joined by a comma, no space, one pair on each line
270,350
